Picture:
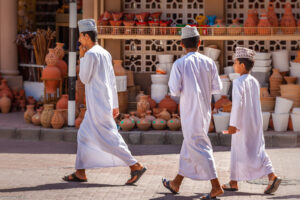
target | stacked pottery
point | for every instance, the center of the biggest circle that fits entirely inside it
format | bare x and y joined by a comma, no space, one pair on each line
267,102
214,54
288,22
291,92
262,67
280,60
281,115
221,121
275,82
250,26
295,115
295,67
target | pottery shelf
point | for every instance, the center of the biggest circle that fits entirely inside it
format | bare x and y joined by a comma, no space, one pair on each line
207,33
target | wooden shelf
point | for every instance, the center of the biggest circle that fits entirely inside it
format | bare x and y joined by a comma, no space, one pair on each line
149,33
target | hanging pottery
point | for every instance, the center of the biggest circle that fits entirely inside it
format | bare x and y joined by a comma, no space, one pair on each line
143,124
36,118
57,120
29,113
169,104
159,124
51,72
61,64
5,104
164,115
250,23
47,115
62,102
143,105
174,124
127,124
264,24
118,68
128,25
288,22
272,17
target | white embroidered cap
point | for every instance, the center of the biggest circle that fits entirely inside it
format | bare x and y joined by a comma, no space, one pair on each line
241,52
189,32
86,25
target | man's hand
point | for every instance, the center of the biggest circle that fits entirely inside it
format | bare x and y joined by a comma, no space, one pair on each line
231,130
82,51
116,113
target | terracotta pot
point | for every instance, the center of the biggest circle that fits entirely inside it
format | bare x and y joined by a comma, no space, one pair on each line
159,124
142,30
143,124
251,23
155,16
127,25
59,50
80,117
156,111
275,80
142,17
115,30
163,31
51,72
164,115
134,117
264,22
227,107
47,115
80,91
288,20
151,102
235,27
107,15
264,92
149,116
7,92
29,113
57,120
272,17
219,30
143,105
298,24
3,84
290,79
221,102
36,118
63,102
169,104
5,104
127,124
129,16
117,16
118,68
141,93
174,124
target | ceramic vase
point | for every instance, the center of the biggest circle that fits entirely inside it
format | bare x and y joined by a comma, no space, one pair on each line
143,124
29,113
36,118
169,104
127,124
174,124
57,120
264,24
250,23
143,105
62,103
159,124
288,22
47,115
272,17
5,104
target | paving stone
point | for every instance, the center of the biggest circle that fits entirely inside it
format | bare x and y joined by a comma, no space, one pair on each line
153,137
174,137
7,133
70,134
48,134
28,133
134,137
284,140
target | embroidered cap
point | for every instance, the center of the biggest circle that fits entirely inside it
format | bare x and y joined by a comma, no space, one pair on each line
241,52
189,32
86,25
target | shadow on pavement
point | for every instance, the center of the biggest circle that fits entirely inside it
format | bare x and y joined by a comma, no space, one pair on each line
172,196
286,197
57,186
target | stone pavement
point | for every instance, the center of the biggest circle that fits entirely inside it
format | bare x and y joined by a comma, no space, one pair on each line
32,170
12,126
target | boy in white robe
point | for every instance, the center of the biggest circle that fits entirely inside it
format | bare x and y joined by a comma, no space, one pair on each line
248,157
99,142
195,78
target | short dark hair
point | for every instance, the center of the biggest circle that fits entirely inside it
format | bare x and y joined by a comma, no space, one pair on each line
247,62
191,43
92,34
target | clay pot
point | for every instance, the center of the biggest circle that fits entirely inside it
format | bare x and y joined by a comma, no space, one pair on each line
174,124
155,16
62,102
221,102
80,92
29,113
141,93
143,105
59,50
264,92
115,30
127,124
169,104
129,16
156,111
3,84
5,104
142,30
107,15
235,28
290,79
264,22
80,117
57,120
7,92
298,25
151,102
218,27
118,68
36,118
159,124
117,16
149,116
164,115
127,25
288,20
272,17
143,124
51,72
163,31
142,17
227,107
251,23
275,80
47,115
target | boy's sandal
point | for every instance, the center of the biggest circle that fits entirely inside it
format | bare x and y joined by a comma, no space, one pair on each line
74,178
208,197
273,186
135,176
167,185
227,187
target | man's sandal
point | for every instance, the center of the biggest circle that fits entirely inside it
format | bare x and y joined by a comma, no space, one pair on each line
167,185
273,186
208,197
74,178
137,174
227,187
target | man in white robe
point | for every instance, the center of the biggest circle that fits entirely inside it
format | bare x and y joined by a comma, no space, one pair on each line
195,78
248,157
99,142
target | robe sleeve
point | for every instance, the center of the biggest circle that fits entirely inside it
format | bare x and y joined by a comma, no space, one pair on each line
237,103
87,67
113,86
175,82
216,81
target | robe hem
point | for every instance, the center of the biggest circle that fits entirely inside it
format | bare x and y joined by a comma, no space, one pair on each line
98,167
254,178
197,179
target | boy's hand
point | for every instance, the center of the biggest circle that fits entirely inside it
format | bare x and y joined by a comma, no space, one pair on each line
116,113
82,51
231,130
